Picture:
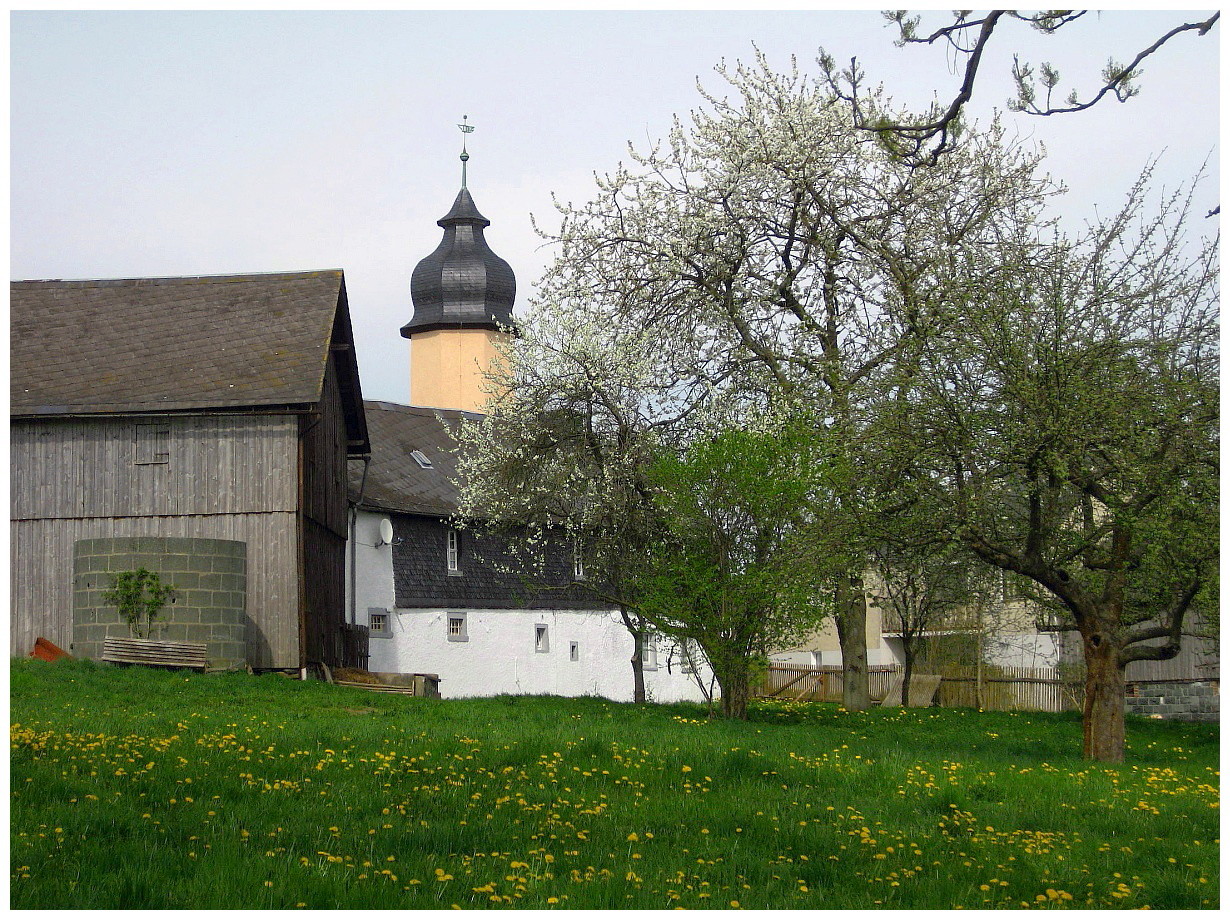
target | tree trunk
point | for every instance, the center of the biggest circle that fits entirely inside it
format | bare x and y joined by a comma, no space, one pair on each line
637,629
1104,699
638,670
735,693
851,609
907,670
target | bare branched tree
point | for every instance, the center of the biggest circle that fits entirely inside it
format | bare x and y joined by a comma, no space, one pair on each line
924,139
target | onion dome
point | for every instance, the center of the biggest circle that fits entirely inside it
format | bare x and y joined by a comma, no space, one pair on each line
463,284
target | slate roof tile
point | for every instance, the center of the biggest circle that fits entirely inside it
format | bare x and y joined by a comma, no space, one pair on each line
166,344
395,480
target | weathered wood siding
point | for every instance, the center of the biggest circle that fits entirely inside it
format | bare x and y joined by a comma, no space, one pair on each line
324,454
323,526
224,477
214,465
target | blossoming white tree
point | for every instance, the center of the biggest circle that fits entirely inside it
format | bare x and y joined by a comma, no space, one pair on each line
766,260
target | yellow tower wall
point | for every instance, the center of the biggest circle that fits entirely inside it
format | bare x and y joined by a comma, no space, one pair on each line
447,367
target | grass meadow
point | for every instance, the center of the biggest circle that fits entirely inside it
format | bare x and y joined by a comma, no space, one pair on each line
136,788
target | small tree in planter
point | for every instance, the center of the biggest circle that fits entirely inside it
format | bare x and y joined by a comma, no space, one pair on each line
139,597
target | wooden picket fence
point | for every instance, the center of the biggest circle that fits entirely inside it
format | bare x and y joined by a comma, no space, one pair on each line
1036,689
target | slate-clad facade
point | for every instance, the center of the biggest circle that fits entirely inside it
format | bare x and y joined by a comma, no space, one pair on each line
486,570
208,408
485,629
396,484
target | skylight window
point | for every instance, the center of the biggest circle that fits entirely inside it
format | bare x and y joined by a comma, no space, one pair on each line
421,459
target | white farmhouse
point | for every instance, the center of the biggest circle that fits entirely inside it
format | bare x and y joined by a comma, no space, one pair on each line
440,600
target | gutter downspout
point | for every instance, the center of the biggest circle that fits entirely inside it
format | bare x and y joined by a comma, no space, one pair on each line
354,520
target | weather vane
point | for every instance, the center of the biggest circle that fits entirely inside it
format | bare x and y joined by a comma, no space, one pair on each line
466,128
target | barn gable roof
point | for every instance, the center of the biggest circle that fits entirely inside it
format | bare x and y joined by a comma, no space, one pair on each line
396,480
144,345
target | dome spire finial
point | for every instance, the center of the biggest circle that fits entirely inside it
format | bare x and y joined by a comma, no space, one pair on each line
466,128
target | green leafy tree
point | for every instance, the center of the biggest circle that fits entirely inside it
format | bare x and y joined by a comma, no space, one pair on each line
1071,428
719,575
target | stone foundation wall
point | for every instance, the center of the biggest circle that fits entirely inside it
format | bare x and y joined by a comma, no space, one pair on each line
209,603
1187,701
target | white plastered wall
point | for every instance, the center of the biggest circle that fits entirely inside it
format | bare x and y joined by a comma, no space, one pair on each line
498,654
373,586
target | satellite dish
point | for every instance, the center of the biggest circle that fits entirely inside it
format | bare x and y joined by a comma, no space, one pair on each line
386,532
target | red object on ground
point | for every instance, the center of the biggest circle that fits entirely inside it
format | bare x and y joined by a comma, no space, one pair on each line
48,651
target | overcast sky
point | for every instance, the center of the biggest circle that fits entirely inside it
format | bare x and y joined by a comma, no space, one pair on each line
152,144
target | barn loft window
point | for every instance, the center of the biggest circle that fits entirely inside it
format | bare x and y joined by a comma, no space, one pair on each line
457,628
153,443
453,553
541,642
578,562
421,459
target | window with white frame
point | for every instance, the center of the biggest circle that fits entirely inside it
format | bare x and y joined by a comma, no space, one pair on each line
542,642
453,554
574,651
578,562
649,652
378,623
457,631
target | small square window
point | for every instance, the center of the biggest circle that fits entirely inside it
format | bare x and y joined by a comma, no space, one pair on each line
378,624
574,651
541,641
457,628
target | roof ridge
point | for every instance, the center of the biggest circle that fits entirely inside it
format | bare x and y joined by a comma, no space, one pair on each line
221,279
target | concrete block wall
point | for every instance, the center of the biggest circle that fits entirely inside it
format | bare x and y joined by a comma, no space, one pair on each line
1188,701
209,603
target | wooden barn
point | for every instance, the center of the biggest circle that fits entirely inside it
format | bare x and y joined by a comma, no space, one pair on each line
217,409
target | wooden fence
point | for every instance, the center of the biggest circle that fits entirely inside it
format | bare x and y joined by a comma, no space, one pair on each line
1037,689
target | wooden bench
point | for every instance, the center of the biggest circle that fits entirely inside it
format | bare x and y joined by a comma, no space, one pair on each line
155,653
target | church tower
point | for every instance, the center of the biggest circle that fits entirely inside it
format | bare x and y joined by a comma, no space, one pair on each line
463,298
